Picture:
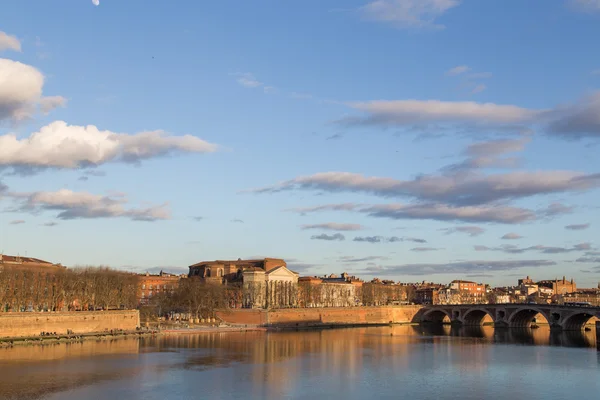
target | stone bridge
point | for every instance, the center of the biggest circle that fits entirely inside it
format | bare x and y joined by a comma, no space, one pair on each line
564,317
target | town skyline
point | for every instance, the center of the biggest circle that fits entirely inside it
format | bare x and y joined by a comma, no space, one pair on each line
441,155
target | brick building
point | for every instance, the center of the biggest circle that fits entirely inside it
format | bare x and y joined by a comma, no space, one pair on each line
327,292
150,285
29,263
266,283
559,286
221,271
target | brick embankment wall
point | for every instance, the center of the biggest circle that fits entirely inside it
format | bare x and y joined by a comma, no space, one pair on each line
244,317
304,317
32,324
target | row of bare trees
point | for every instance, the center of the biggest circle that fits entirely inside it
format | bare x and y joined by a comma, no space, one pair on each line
87,288
195,298
347,295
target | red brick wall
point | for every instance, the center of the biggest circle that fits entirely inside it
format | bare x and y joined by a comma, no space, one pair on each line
32,324
322,316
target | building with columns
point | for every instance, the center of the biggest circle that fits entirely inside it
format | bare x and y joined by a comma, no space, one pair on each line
266,283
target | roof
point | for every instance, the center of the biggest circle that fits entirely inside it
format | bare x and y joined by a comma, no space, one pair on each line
19,259
239,262
281,266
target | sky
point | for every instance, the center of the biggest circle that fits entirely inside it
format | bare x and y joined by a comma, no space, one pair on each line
403,139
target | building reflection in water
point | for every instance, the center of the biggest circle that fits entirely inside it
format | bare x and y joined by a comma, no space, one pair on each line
275,364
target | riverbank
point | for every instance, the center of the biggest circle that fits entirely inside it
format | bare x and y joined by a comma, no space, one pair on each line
73,338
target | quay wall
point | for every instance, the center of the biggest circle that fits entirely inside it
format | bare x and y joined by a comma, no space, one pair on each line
314,317
33,323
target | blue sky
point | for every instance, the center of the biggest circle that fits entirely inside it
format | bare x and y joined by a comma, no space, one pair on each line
394,138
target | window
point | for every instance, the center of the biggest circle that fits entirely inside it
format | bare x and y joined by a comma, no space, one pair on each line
150,287
144,286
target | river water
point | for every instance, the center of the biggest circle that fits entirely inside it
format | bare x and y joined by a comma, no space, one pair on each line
399,362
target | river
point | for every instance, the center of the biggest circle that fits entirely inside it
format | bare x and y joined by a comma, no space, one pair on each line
396,362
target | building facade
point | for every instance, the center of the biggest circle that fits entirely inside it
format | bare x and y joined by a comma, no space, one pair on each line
276,288
559,286
221,271
327,292
151,285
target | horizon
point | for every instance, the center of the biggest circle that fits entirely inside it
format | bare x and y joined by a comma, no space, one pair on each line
407,140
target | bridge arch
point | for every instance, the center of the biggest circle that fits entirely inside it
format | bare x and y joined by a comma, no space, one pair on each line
438,316
477,317
577,321
524,317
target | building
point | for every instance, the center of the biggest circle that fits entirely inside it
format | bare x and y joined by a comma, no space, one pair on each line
29,284
526,281
528,289
559,286
221,271
266,283
428,294
470,292
150,285
29,263
328,291
275,288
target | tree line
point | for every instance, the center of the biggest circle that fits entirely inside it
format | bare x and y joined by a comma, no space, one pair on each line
194,298
77,289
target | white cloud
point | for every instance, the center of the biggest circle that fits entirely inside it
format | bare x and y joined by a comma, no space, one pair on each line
17,222
461,69
323,236
60,145
491,154
49,103
444,212
459,189
462,267
511,236
21,91
333,226
404,112
96,2
83,205
586,5
577,227
408,13
9,42
470,230
575,120
248,80
325,207
480,75
478,88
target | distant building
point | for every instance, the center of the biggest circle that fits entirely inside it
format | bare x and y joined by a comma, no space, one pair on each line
220,271
29,263
266,283
275,288
150,285
559,286
428,294
526,281
470,292
328,291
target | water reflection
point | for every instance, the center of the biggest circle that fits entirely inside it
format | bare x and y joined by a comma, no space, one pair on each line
542,336
348,363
